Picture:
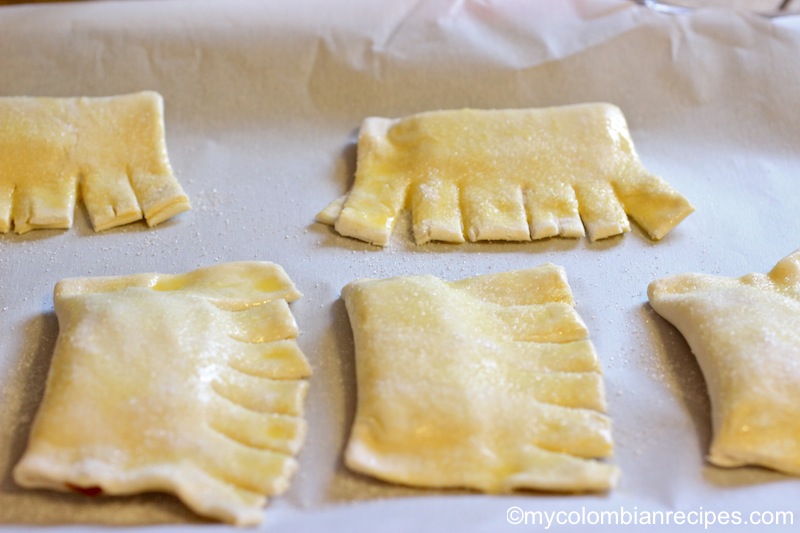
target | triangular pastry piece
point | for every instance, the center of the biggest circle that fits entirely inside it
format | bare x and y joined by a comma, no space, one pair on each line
191,384
488,383
515,175
109,150
745,333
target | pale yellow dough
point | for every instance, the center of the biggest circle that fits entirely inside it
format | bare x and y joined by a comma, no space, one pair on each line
191,384
745,334
488,383
109,150
515,175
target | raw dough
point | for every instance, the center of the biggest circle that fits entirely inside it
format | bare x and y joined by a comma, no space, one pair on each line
514,175
110,150
745,334
487,383
191,384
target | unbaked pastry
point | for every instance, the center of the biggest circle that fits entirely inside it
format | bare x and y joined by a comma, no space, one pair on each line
488,383
191,384
745,334
109,150
513,175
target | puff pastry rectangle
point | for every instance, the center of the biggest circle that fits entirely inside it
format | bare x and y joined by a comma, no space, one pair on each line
110,151
487,383
191,384
745,333
508,174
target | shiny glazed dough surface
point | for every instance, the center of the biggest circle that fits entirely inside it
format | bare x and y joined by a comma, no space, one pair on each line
745,333
487,383
109,151
512,174
191,384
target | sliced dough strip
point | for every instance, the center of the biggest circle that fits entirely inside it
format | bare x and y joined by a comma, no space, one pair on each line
281,396
546,283
551,322
233,286
577,356
268,322
436,211
270,431
281,359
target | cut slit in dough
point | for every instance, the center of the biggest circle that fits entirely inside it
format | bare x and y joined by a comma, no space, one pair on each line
191,384
745,334
488,383
513,175
110,151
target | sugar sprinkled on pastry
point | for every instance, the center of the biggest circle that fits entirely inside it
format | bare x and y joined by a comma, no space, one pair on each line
745,333
512,175
191,384
109,150
487,383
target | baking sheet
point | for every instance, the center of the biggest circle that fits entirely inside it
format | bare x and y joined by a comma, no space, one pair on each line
262,104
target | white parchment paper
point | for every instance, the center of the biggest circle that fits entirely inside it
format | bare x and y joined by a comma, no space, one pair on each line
262,103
